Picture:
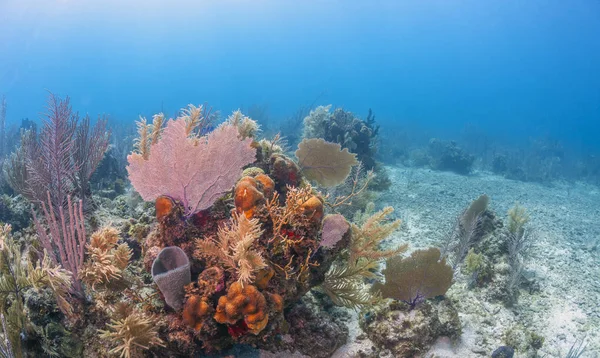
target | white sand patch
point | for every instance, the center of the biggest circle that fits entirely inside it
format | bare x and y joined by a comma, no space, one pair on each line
566,222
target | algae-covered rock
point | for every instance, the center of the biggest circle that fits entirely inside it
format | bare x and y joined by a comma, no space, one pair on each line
448,156
16,211
313,331
394,327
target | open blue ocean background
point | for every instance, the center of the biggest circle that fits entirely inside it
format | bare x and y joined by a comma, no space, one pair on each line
514,68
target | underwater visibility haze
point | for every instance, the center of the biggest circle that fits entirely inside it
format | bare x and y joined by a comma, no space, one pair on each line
299,179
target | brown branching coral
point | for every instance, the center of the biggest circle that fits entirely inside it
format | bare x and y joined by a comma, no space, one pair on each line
157,125
131,335
416,278
517,218
106,260
296,204
148,134
295,226
192,116
245,303
234,247
343,284
353,187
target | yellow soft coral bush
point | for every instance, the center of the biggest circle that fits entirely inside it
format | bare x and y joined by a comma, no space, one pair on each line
131,334
106,259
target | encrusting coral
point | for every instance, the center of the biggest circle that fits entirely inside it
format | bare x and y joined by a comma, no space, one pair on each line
195,310
247,195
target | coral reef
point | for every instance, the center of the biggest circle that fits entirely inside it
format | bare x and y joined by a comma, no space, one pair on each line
225,241
447,155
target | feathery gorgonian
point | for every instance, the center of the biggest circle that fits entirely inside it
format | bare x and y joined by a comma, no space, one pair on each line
195,171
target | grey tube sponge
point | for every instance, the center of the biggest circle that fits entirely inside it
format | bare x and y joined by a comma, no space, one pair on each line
171,272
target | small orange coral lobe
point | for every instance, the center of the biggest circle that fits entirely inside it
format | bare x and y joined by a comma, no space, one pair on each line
263,277
313,208
247,196
194,312
164,206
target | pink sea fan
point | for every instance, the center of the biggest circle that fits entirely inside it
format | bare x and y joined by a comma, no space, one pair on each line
334,228
195,172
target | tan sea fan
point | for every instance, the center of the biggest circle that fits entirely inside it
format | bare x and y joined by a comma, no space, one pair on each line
422,275
324,162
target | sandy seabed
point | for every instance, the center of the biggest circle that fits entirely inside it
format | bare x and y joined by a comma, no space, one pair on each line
565,258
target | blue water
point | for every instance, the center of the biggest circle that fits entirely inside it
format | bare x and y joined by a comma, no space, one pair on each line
516,68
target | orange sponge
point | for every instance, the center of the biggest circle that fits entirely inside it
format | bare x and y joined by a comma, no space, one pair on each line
164,205
263,277
195,311
247,196
313,208
245,303
268,185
